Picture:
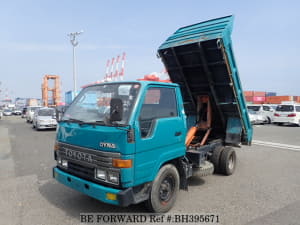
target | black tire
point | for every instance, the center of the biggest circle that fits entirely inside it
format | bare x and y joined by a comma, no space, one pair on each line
206,169
228,161
215,158
164,190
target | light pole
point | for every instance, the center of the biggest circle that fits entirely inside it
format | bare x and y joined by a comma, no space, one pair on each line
74,42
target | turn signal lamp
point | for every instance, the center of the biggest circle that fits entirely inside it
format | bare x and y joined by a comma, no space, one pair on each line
122,163
111,196
56,147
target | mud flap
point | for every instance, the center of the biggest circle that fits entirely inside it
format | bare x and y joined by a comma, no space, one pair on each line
185,171
233,131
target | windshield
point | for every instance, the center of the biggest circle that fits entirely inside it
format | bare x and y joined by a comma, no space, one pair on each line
32,109
253,107
250,111
285,108
93,103
46,112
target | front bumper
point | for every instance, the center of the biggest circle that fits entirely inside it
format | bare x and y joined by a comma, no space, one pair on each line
46,126
97,191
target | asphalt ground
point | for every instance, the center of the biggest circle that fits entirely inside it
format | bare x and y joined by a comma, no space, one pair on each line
265,188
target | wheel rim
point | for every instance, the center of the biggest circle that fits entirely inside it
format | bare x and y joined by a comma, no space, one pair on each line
166,189
231,162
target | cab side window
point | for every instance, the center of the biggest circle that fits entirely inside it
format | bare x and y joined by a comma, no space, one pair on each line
297,108
266,108
158,103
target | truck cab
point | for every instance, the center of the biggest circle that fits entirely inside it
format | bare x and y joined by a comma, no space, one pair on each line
129,142
118,135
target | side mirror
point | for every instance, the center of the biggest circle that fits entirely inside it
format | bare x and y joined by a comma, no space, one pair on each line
59,112
116,109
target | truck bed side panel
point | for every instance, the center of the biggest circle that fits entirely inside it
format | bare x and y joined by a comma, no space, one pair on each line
200,59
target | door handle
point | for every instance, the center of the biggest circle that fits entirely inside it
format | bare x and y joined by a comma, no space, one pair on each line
178,133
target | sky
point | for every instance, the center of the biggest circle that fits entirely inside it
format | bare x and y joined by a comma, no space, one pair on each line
34,41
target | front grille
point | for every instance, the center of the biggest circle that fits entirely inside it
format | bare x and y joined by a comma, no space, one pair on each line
81,170
83,161
85,155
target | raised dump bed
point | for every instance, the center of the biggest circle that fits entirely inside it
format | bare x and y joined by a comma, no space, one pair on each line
200,59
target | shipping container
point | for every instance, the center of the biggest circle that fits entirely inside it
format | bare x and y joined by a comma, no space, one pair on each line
69,96
249,98
297,99
259,99
268,94
259,93
248,93
278,99
273,102
258,102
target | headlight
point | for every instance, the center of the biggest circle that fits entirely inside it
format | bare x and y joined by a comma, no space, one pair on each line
113,177
100,174
64,163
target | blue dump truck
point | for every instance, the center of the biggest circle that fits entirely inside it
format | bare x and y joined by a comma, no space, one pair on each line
129,142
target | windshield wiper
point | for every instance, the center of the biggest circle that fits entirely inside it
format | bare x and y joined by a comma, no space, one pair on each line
97,122
120,126
72,120
81,122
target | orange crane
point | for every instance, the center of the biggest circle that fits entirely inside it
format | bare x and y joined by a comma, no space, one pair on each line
55,91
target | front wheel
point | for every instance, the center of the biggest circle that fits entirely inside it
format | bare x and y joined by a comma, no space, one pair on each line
164,189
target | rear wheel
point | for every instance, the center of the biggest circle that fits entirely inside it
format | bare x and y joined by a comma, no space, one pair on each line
215,158
164,189
227,161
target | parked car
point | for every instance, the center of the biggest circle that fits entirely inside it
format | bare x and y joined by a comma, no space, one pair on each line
17,112
287,113
1,114
7,112
30,112
255,117
44,118
266,111
24,112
